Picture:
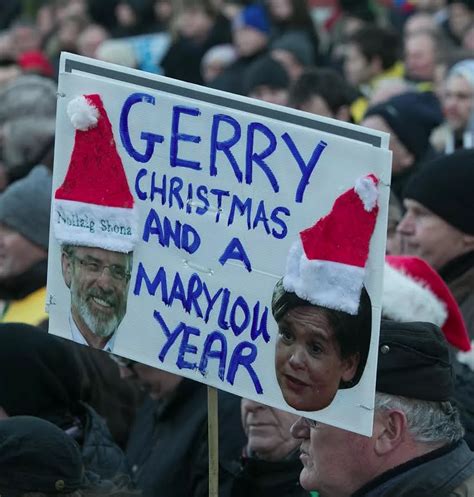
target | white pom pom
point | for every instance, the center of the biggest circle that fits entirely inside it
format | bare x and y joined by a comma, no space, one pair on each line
368,191
82,113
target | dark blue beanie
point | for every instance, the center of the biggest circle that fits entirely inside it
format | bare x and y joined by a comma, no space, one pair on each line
412,117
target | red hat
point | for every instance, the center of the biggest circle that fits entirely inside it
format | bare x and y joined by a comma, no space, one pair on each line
94,206
326,266
413,291
37,62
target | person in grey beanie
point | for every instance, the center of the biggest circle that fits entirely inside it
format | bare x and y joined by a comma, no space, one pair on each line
438,225
24,235
26,142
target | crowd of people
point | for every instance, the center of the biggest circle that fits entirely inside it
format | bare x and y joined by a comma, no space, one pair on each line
80,421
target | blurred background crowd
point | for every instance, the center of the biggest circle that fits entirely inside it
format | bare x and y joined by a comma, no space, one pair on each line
399,66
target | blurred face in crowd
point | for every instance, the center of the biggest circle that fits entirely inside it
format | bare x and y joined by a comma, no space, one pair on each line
402,158
468,38
99,281
316,104
24,38
194,23
17,253
267,430
420,57
335,461
428,236
269,94
357,69
460,17
280,10
430,5
458,102
90,39
155,382
422,21
293,67
249,41
394,238
308,363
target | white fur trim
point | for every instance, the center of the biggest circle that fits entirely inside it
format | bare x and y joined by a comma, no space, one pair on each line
406,299
467,358
368,192
325,283
110,228
82,113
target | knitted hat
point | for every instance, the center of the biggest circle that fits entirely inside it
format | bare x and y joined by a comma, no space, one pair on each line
413,290
37,456
94,206
254,16
412,117
414,362
28,95
26,140
444,186
26,204
265,71
326,265
298,44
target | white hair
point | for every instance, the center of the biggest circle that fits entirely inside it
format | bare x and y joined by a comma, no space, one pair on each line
428,422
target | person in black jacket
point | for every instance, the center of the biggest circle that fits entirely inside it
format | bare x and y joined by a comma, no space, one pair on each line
167,450
40,377
270,463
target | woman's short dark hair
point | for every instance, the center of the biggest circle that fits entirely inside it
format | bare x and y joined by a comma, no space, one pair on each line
352,332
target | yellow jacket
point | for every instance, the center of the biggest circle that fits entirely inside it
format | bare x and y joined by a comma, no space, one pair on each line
29,310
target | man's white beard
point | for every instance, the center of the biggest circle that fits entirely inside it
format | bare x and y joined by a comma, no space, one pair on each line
101,327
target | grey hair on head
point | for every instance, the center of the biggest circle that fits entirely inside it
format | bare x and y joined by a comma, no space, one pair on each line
428,422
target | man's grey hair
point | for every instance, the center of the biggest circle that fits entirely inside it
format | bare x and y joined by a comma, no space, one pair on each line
428,422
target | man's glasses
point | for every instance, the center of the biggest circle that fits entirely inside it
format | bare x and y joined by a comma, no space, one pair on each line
96,268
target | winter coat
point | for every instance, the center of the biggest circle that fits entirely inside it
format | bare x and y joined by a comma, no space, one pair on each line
168,451
24,296
115,399
459,276
445,472
100,453
253,477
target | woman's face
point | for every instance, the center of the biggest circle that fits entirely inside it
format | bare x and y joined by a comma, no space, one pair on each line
308,363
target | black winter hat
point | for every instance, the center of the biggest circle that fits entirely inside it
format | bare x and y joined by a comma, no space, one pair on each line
412,117
39,375
414,362
265,71
37,456
445,187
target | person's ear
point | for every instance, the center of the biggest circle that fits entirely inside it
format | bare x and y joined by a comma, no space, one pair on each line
343,113
376,65
349,367
66,266
389,430
468,241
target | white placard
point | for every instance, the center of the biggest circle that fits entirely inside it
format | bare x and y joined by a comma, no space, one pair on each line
223,185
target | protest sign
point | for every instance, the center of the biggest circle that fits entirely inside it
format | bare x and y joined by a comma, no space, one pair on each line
184,203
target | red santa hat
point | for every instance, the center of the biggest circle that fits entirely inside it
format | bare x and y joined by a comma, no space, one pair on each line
326,265
414,291
94,206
